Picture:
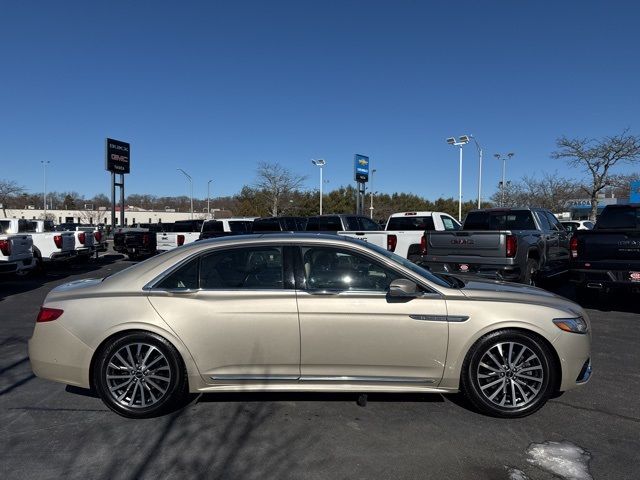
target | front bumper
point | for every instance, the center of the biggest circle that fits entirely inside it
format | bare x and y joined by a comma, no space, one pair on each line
574,352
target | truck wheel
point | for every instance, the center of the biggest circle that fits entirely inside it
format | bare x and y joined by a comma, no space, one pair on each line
530,272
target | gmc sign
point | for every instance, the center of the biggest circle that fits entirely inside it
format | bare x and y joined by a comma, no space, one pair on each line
117,156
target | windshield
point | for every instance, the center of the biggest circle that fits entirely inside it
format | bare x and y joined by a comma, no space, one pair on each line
441,280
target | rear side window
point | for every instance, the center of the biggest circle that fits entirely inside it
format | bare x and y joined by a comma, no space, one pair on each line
352,223
367,224
589,225
242,268
510,220
412,223
313,224
240,226
450,224
4,226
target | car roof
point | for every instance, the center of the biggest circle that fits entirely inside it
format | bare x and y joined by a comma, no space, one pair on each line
411,214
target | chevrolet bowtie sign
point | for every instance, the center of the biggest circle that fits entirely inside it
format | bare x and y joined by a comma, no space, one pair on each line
361,165
117,156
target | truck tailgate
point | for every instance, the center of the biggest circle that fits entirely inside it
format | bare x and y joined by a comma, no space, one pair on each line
166,241
378,238
594,245
21,247
467,243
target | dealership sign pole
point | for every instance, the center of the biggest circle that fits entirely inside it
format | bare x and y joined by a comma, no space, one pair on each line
117,160
361,172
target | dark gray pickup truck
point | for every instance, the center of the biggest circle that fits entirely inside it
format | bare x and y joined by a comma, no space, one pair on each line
608,257
513,244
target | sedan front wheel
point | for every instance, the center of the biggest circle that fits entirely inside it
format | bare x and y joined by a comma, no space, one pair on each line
509,374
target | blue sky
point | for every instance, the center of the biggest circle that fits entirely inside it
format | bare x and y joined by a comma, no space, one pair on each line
215,87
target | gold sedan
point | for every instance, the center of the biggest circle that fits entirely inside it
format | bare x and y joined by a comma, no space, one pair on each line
303,312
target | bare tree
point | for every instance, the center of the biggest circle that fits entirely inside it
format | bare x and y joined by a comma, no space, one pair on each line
8,189
597,158
276,182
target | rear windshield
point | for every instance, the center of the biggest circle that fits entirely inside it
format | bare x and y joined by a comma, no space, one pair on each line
213,226
619,217
241,226
509,220
411,223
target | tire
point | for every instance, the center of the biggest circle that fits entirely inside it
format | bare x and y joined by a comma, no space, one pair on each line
530,272
514,393
126,384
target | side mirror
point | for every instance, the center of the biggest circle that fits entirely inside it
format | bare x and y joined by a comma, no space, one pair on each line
403,288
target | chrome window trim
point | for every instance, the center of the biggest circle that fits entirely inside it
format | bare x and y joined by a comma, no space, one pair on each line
254,377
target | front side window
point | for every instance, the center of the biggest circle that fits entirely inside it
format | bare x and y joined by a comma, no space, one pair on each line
184,278
367,224
336,269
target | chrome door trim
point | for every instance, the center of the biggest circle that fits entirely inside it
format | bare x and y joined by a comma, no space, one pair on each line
349,378
440,318
254,377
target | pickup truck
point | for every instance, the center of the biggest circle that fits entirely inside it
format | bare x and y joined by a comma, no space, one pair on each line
50,245
607,257
84,239
226,226
178,233
136,242
16,250
523,245
279,224
403,234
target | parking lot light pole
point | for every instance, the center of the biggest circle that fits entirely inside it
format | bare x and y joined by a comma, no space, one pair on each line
209,198
504,169
320,163
44,189
191,184
371,193
479,170
462,141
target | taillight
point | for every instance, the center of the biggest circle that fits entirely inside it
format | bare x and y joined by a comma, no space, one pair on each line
48,314
180,240
512,246
145,239
5,247
423,245
573,247
392,242
82,237
58,240
97,236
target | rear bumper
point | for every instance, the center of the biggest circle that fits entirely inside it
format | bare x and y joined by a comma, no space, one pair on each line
61,256
509,273
17,266
604,279
56,354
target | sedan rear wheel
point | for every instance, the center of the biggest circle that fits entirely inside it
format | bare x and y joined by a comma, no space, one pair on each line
508,374
140,375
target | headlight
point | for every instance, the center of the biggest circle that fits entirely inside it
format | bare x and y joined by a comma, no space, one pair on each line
573,325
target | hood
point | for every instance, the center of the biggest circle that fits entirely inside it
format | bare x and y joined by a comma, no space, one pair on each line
496,290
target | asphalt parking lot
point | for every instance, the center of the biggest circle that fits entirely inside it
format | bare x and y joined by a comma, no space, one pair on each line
49,431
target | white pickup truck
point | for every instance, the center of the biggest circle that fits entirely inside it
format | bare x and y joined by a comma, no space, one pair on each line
48,245
177,234
403,234
226,226
84,239
16,250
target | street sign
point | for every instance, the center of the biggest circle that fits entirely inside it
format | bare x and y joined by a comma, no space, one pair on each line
117,156
361,167
635,192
